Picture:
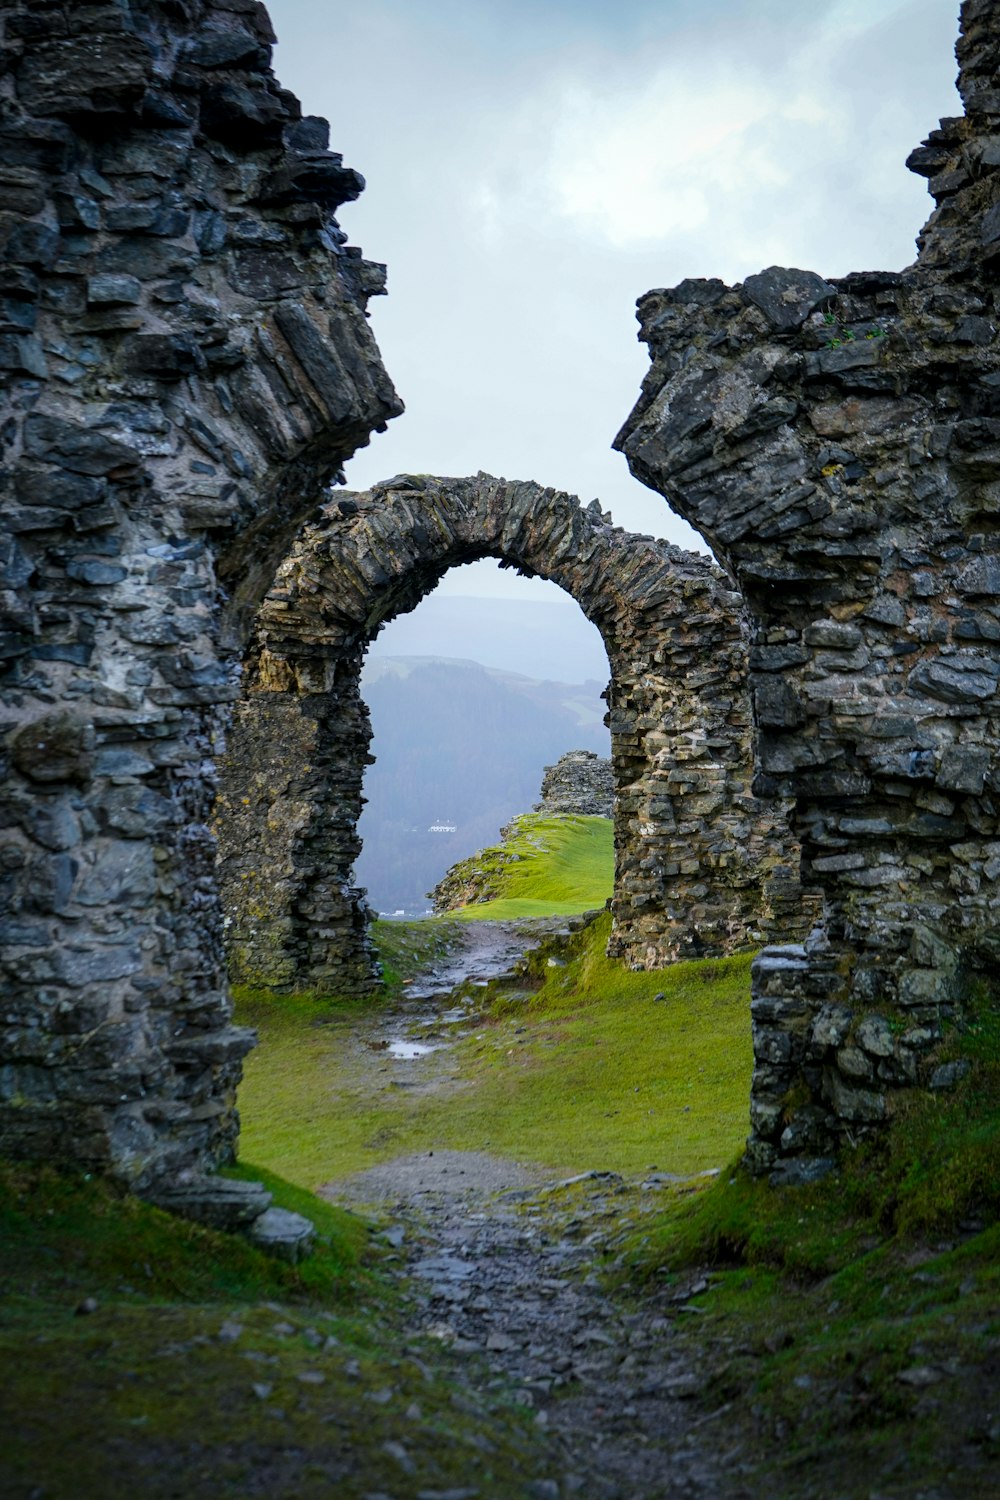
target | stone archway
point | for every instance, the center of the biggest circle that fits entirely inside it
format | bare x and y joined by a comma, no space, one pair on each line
836,442
186,363
694,847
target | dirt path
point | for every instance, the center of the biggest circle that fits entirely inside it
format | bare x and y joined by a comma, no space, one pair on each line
503,1270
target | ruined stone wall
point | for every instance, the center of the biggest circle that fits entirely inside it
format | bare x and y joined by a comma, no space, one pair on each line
694,847
185,363
838,444
579,782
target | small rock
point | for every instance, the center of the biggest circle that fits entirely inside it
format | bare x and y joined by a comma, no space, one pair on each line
919,1376
286,1235
87,1306
262,1391
399,1453
949,1074
311,1377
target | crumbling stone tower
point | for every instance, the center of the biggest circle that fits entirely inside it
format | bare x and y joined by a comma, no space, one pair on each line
838,444
185,364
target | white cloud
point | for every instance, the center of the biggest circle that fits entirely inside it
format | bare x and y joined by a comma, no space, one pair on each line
527,181
645,166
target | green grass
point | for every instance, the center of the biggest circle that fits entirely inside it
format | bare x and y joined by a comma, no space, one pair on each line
576,1067
203,1368
550,866
407,948
831,1293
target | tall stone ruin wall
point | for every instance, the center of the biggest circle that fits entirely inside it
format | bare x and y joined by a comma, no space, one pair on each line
838,444
186,363
695,850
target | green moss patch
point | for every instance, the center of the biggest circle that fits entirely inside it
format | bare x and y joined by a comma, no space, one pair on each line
853,1327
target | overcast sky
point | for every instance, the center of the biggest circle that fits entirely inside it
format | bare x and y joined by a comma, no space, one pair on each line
535,165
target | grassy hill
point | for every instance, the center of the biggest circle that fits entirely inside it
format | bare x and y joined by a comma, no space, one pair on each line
546,866
457,743
591,1071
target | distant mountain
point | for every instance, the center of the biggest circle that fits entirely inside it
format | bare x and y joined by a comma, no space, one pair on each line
546,639
457,745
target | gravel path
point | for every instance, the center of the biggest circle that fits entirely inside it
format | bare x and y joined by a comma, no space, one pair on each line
501,1267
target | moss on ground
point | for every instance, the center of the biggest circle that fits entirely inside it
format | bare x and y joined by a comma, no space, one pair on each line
577,1065
548,865
144,1355
847,1333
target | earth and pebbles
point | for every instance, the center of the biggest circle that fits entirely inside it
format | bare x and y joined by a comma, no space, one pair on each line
501,1263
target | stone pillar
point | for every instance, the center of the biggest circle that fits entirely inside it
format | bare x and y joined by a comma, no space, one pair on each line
286,815
185,363
835,441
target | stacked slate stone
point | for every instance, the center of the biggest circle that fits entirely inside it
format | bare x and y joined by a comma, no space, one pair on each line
838,443
186,364
694,846
580,782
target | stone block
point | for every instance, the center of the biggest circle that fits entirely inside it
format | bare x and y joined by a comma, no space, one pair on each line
801,1172
787,297
55,747
101,74
874,1035
219,1202
964,769
286,1235
855,1105
948,1075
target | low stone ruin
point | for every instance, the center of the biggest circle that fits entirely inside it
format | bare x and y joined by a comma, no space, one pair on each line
580,782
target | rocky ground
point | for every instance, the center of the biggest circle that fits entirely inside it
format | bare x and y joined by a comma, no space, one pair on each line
505,1276
502,1265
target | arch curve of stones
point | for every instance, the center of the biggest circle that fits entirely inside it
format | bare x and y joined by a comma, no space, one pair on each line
698,857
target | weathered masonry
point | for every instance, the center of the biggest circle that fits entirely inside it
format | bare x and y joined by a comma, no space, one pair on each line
186,364
838,444
580,782
694,847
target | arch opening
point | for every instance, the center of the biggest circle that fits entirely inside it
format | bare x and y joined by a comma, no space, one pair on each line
694,848
471,696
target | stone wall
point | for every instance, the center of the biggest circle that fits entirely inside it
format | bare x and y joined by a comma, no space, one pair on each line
579,782
186,363
694,847
837,441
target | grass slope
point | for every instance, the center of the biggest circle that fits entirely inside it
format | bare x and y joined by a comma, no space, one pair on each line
864,1311
588,1070
549,866
146,1356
